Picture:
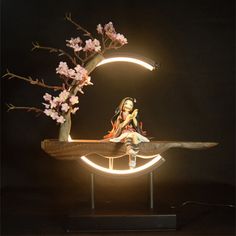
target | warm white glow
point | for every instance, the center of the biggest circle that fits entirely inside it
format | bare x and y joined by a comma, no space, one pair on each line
122,172
70,139
127,59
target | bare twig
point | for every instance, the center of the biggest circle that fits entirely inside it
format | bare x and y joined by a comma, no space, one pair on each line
59,51
103,42
86,32
28,109
79,57
31,81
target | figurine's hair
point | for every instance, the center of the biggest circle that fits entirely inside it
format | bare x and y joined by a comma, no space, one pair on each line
119,108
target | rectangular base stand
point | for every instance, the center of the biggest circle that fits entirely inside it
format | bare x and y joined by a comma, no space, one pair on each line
129,221
113,220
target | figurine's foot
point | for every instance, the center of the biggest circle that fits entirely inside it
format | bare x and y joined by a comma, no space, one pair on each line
132,164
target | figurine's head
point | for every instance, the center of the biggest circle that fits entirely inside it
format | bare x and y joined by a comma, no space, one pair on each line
127,104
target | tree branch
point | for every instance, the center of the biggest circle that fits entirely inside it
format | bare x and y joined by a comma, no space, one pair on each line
31,81
35,109
79,57
86,32
59,51
90,56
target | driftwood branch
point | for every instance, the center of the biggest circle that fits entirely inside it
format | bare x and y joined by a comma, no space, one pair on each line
59,51
31,81
28,109
86,32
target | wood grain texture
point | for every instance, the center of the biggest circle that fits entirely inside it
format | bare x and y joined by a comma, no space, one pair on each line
74,150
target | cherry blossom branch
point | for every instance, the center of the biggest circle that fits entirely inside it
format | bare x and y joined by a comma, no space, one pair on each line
55,50
110,47
86,32
35,109
31,81
80,58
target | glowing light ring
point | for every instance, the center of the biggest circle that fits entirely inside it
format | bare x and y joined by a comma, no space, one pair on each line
127,59
147,166
157,159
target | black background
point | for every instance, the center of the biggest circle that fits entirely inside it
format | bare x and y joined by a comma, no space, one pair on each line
190,98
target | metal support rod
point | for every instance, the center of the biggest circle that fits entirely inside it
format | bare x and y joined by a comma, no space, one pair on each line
92,192
151,190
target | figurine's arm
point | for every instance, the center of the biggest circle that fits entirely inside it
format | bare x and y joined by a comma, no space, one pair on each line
129,118
134,115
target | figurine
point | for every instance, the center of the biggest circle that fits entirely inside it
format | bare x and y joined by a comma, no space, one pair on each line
127,129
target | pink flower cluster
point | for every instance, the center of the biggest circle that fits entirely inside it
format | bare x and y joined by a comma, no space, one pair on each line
110,32
90,45
56,107
79,73
75,43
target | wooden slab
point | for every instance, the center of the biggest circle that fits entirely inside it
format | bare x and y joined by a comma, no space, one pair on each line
77,148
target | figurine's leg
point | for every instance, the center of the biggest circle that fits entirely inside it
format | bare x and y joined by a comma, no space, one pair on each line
131,150
132,161
135,139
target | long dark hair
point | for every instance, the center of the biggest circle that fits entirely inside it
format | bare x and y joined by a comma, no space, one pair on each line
120,107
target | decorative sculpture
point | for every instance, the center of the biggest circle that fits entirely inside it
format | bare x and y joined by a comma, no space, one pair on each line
126,138
127,129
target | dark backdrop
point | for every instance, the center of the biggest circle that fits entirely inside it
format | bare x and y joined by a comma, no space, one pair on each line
191,97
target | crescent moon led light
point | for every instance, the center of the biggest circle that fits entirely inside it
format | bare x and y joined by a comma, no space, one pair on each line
147,65
156,161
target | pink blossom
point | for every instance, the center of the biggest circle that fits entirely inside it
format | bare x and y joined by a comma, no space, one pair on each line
121,39
65,107
54,102
92,45
111,33
78,72
46,105
71,73
109,28
75,44
89,45
112,36
74,99
62,69
81,72
99,29
60,119
54,115
73,111
48,112
47,97
57,100
97,46
80,69
88,81
77,76
63,95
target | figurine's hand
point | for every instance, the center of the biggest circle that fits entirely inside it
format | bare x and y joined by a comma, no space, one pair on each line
135,113
129,117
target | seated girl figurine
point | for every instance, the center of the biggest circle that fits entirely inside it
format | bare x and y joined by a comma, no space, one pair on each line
127,129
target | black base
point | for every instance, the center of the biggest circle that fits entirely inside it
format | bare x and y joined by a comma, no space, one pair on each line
128,221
